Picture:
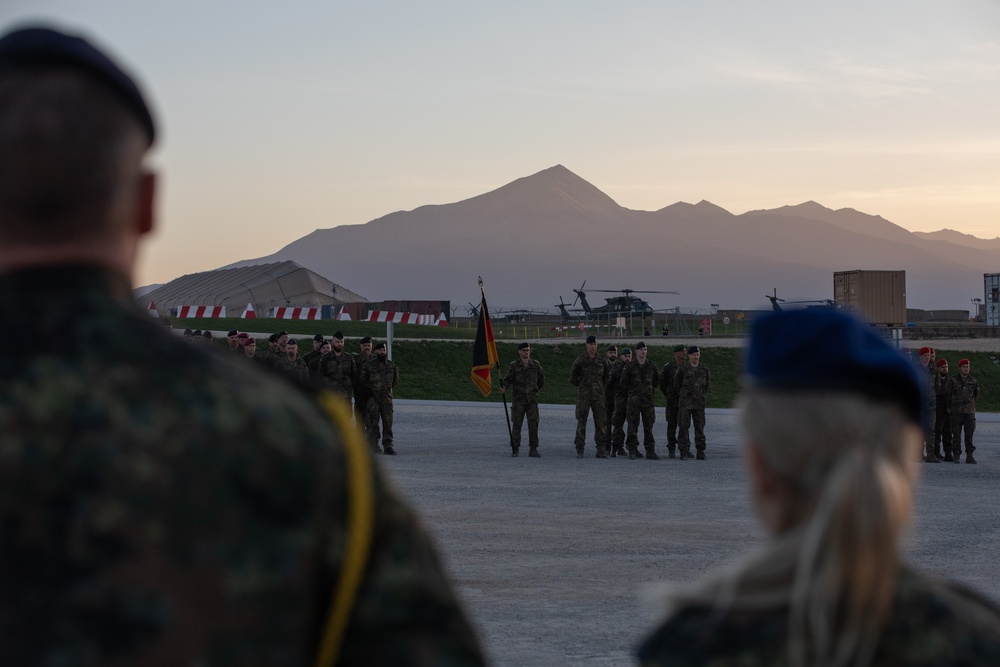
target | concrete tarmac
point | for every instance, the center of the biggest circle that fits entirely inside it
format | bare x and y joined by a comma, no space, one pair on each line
557,558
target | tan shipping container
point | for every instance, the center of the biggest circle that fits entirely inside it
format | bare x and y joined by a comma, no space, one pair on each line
876,296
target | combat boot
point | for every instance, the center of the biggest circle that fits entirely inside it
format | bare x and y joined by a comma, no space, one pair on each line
957,456
948,458
601,454
685,454
931,456
632,454
389,451
533,453
969,458
671,452
513,453
701,455
651,455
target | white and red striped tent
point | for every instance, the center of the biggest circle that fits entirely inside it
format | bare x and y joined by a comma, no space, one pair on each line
397,317
201,311
295,313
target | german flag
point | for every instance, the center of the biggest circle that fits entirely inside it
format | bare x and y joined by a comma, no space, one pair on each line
484,352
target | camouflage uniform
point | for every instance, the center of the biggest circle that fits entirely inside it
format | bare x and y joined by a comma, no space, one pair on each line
942,422
379,378
930,409
619,402
963,393
526,382
673,395
932,622
297,369
589,375
339,373
164,504
692,385
640,381
361,393
311,360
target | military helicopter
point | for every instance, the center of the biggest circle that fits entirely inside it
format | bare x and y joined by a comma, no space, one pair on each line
626,304
565,313
774,299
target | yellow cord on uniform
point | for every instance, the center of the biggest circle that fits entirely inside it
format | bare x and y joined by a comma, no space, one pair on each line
360,528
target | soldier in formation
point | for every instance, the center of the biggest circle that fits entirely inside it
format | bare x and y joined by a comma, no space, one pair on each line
525,377
673,397
174,507
963,391
619,403
589,374
379,375
932,381
337,369
362,393
692,383
640,380
942,417
292,365
611,355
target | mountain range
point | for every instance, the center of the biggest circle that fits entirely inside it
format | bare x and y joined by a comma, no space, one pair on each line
536,238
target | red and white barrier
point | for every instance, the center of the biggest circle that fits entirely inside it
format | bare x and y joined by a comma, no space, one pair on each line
201,311
343,315
295,313
152,310
248,313
442,320
403,318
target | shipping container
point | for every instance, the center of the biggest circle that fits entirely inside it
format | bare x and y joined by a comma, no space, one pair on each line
991,300
876,296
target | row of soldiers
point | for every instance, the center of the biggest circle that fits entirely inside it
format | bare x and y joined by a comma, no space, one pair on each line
367,377
951,409
618,390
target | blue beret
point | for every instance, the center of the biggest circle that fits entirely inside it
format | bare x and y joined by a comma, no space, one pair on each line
826,350
44,48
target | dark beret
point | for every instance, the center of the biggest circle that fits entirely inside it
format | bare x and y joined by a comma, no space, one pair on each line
640,345
366,339
379,346
679,347
612,347
591,339
523,346
318,338
625,351
693,349
43,48
825,350
338,335
233,332
206,334
273,338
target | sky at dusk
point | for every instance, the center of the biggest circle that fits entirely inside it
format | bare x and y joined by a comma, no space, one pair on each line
280,118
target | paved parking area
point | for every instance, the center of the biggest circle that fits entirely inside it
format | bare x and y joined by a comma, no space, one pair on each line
556,558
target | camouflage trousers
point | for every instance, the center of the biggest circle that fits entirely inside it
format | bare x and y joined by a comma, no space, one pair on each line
929,429
959,422
518,409
617,427
685,417
584,406
647,413
374,411
671,417
942,429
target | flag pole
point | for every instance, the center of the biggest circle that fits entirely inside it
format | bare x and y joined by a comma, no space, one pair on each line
503,395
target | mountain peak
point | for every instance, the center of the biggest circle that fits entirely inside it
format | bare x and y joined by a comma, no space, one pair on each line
555,188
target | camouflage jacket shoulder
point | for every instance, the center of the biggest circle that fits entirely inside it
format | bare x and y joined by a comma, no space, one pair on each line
614,385
963,392
640,379
170,503
692,384
338,373
589,375
932,623
667,379
379,378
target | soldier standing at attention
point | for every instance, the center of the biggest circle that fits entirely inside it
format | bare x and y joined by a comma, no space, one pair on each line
589,374
611,355
640,379
525,376
963,391
162,504
932,381
942,420
619,404
667,387
692,382
314,353
293,366
338,369
379,376
361,393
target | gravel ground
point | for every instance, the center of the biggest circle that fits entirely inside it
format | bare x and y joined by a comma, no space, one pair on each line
556,558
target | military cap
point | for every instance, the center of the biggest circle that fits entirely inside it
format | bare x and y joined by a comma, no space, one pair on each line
627,351
280,334
943,361
41,48
206,334
925,350
366,339
273,338
826,350
338,335
523,346
318,338
963,362
197,333
640,345
612,347
188,332
693,349
679,347
591,339
292,342
379,346
233,332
